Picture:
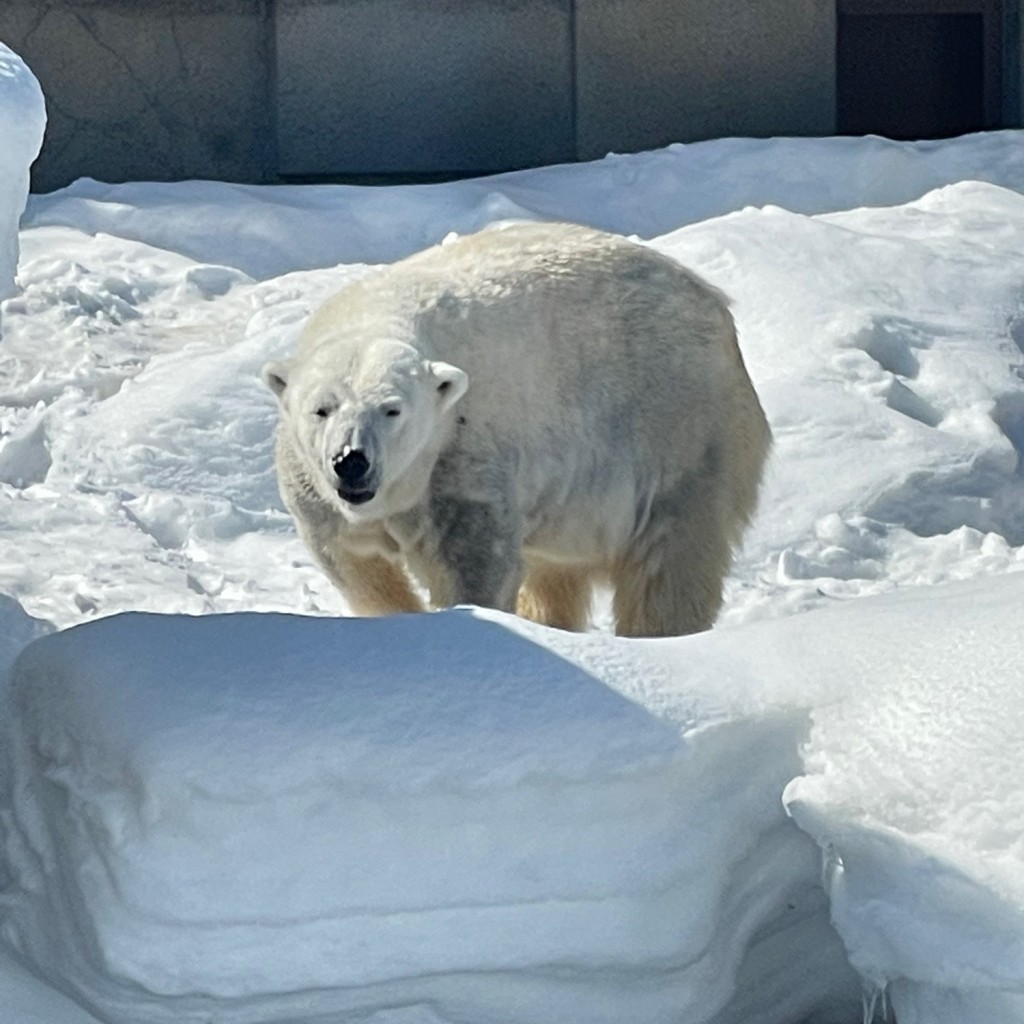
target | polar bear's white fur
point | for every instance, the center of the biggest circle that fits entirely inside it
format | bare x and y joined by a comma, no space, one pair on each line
517,415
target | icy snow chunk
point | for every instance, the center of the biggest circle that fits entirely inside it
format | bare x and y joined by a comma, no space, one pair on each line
210,282
24,450
22,121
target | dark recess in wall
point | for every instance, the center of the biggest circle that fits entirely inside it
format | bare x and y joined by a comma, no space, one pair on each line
924,69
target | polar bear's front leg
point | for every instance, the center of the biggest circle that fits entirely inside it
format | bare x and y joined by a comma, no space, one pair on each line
471,555
372,584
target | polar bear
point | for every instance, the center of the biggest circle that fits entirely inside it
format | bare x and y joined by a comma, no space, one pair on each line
512,417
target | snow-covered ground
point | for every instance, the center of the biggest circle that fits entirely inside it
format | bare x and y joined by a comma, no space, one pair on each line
460,818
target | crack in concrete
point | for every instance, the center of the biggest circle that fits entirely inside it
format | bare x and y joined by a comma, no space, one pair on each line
184,75
27,38
149,92
151,100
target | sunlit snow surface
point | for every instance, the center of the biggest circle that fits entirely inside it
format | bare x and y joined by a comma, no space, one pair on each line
462,819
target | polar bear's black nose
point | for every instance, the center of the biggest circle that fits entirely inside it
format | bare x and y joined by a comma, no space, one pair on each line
352,467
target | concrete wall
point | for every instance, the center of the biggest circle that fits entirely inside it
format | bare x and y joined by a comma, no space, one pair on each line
431,91
148,89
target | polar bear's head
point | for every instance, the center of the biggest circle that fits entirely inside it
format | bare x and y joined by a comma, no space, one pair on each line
368,423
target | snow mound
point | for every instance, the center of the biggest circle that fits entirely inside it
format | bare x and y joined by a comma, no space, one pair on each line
886,349
465,817
915,791
22,122
283,817
270,230
910,780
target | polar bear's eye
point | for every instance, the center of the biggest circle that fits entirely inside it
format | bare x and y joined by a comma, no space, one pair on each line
393,411
323,412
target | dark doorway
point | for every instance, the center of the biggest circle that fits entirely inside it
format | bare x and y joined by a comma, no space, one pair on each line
921,69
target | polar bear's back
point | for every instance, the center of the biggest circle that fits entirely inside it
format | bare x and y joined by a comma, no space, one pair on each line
549,313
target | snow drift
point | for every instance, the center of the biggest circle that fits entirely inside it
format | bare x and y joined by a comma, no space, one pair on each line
269,231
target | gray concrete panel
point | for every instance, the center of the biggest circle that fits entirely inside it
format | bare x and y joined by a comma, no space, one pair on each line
652,72
148,90
423,86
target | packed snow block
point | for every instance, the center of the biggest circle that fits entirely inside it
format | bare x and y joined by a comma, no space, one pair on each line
22,121
256,818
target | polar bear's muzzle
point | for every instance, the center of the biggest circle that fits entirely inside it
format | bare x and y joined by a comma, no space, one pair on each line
357,480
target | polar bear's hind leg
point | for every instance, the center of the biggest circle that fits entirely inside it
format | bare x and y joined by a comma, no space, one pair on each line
669,582
556,595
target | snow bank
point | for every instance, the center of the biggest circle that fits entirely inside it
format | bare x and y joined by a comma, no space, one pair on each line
911,779
464,817
915,791
886,346
270,230
272,818
22,121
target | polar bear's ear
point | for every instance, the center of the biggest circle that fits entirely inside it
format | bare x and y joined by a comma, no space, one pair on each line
275,376
450,381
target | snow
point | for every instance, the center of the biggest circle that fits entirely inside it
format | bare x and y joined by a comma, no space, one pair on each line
269,232
22,121
515,823
913,785
488,809
223,800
